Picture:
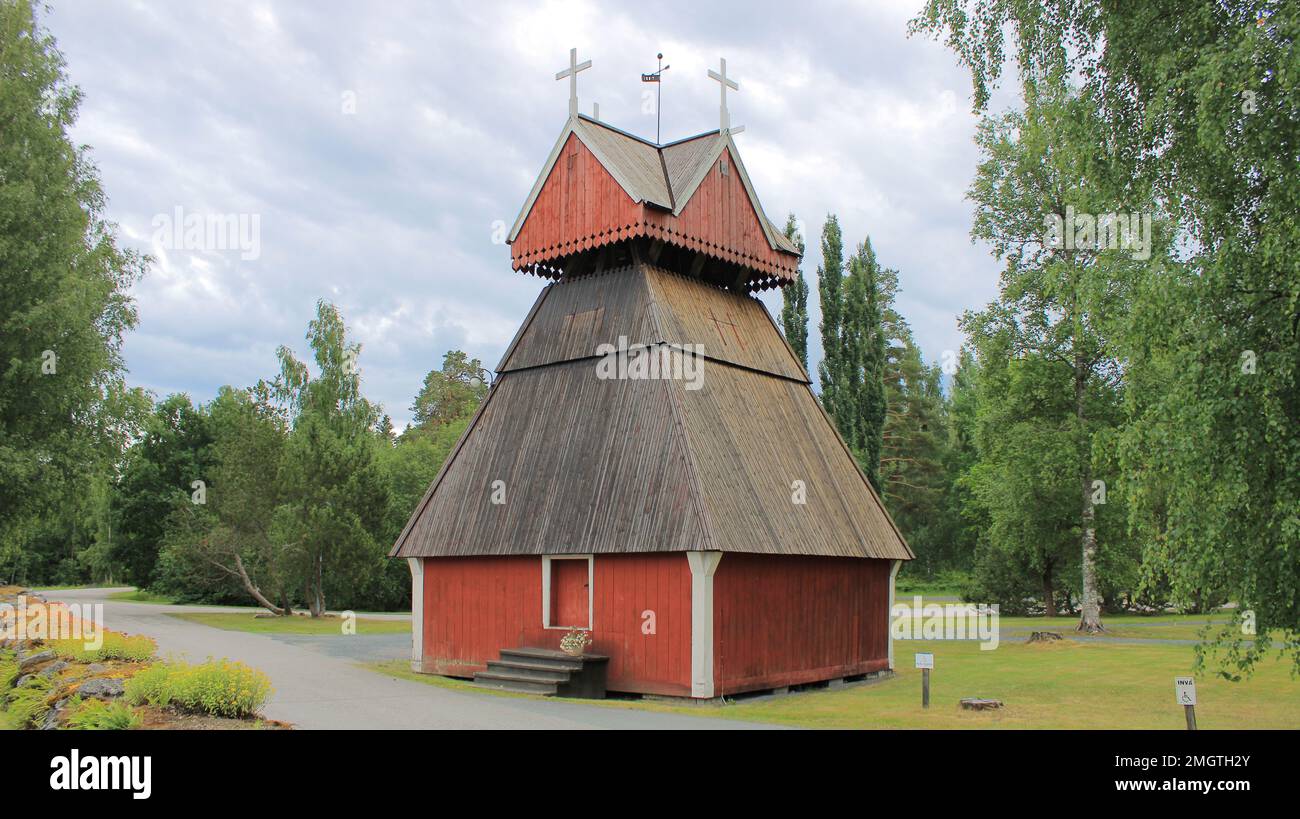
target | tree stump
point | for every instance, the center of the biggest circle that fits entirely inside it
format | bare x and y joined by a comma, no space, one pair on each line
978,704
1043,637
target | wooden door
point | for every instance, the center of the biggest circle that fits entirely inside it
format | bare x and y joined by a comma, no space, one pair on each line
569,593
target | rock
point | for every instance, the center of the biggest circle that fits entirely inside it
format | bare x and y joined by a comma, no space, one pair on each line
977,704
23,680
53,668
105,687
27,661
96,668
1043,636
51,721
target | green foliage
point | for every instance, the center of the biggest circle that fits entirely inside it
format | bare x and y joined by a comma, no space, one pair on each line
830,275
98,715
451,393
913,472
8,669
334,496
134,648
1199,100
27,704
176,451
853,346
794,300
64,307
219,688
150,686
859,408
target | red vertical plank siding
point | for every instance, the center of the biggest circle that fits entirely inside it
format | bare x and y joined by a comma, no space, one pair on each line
785,620
476,606
583,207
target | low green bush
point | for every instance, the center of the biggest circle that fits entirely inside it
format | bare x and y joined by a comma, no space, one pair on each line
130,648
149,686
221,688
97,715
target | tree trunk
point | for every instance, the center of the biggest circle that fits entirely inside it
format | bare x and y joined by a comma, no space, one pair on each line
256,593
1049,596
1090,604
315,589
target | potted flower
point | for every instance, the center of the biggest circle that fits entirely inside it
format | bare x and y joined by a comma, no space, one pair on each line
575,642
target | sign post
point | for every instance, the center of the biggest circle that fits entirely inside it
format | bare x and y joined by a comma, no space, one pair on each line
925,662
1185,693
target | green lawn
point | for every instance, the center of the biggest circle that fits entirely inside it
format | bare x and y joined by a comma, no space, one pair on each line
140,596
244,621
1057,685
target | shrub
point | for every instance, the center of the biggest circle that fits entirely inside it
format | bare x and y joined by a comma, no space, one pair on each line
149,686
97,715
221,688
131,648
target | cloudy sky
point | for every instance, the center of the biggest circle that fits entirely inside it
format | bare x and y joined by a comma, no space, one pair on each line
377,144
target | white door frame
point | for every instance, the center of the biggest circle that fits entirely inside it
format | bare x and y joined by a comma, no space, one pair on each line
546,589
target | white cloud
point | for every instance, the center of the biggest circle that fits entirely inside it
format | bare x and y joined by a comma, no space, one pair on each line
236,108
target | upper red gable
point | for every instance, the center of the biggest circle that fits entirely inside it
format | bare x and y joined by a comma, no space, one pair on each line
602,186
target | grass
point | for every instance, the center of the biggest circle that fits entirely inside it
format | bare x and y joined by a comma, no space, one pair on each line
946,584
141,596
243,621
1056,685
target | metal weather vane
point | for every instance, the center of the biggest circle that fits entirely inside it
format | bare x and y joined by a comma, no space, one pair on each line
657,77
572,73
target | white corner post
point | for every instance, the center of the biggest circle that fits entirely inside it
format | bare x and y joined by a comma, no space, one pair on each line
417,612
703,565
889,623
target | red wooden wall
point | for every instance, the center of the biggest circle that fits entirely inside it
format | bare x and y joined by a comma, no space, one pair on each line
778,620
475,606
784,620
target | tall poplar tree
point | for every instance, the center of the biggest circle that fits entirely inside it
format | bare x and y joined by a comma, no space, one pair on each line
794,300
860,402
830,275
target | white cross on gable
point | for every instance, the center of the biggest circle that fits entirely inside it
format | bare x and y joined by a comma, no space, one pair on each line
724,117
572,73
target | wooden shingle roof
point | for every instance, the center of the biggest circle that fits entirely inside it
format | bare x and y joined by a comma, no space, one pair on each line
600,465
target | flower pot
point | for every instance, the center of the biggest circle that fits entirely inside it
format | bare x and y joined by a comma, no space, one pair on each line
573,651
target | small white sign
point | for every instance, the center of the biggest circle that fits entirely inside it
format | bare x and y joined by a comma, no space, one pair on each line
925,661
1185,690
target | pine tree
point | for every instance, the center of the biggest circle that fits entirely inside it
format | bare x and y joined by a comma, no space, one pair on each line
794,305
